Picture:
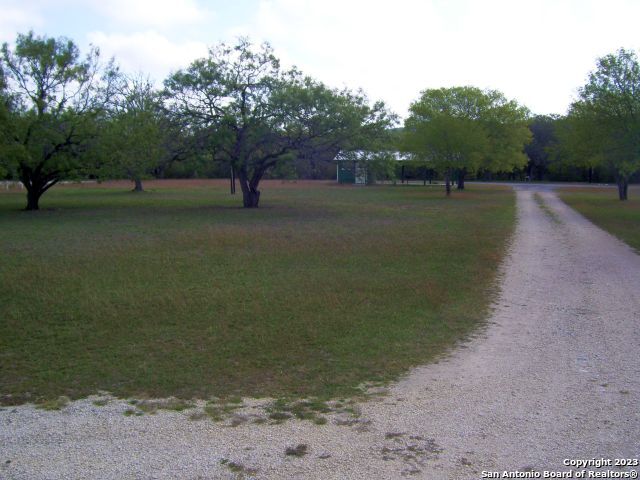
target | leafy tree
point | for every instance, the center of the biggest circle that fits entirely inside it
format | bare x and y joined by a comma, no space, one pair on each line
255,115
506,123
55,99
132,134
603,125
573,151
463,129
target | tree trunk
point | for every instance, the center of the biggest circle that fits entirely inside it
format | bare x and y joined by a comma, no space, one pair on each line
33,198
447,182
461,175
138,185
623,184
250,192
36,184
251,198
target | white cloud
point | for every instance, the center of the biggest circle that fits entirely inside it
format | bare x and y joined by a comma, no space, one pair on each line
147,52
18,18
153,13
536,52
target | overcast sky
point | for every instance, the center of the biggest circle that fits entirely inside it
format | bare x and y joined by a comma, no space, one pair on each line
536,51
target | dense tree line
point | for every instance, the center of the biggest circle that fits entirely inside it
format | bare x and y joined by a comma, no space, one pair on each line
238,113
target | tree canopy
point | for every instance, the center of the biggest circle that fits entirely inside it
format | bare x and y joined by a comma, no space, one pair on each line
464,129
256,115
603,125
55,97
132,133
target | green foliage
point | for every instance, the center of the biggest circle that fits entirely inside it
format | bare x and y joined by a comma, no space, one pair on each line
508,133
442,128
54,97
575,147
466,129
603,125
255,115
131,140
381,167
543,140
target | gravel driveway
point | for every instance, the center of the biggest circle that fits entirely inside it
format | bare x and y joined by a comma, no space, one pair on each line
554,376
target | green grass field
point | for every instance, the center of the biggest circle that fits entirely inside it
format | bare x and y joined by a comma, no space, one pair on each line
178,291
603,208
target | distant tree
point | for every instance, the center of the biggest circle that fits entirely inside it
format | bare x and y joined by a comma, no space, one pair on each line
543,138
461,129
255,115
132,134
55,99
603,125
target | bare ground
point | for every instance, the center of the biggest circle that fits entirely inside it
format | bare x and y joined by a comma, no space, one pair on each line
554,376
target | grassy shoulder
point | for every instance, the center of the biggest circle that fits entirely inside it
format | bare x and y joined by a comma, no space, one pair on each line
178,292
602,207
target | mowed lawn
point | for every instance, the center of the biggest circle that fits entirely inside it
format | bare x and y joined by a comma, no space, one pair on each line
602,207
178,291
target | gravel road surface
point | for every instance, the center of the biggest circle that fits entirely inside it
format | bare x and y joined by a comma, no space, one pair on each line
554,376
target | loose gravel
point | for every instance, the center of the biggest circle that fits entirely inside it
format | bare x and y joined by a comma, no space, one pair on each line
555,375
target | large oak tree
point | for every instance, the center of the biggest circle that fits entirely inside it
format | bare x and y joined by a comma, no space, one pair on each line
55,98
256,115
